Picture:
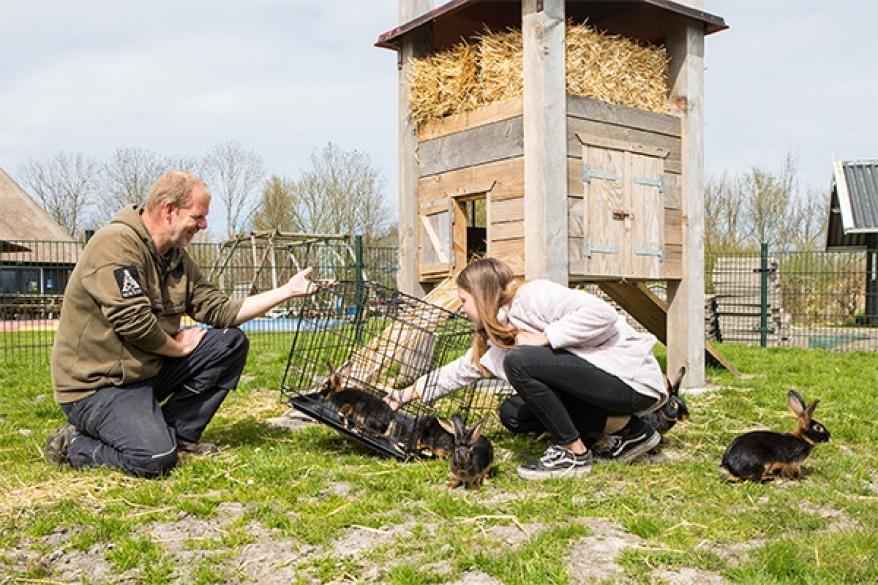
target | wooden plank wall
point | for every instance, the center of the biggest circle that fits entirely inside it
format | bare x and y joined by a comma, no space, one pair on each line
479,152
482,151
631,129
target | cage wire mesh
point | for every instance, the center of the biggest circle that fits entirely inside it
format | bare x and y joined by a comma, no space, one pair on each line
376,339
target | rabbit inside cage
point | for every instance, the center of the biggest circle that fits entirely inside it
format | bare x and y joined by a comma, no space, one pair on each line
357,341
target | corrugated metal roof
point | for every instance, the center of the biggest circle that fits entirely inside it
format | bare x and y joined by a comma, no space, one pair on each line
853,209
392,38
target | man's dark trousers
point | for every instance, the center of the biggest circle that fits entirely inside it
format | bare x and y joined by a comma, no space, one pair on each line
129,428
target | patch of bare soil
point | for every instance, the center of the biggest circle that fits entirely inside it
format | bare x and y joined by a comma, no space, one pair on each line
837,521
514,535
687,576
174,534
292,420
735,553
476,578
593,558
71,566
358,539
270,560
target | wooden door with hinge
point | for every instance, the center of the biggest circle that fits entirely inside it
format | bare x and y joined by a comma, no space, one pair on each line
624,217
603,175
436,255
647,225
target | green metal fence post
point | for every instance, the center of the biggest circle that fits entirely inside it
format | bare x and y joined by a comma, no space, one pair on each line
358,283
763,295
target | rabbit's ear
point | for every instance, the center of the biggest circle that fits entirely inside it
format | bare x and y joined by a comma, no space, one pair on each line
335,382
476,432
674,387
445,424
346,368
809,412
459,427
796,402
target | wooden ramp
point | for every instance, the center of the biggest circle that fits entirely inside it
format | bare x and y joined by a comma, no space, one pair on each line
652,312
408,339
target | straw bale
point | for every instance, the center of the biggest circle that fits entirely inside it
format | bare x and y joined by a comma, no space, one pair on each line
444,83
500,69
606,67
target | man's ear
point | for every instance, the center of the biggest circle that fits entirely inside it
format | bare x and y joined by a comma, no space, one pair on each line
167,209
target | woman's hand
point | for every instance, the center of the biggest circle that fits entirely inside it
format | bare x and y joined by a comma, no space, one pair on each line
531,338
397,398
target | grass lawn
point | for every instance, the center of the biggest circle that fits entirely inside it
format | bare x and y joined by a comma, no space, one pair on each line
310,506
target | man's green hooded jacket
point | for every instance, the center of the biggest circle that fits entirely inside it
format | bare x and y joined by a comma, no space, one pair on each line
121,302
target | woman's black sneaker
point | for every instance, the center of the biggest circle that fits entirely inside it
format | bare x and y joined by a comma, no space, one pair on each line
635,439
557,461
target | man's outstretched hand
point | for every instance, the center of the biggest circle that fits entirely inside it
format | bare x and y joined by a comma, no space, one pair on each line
301,284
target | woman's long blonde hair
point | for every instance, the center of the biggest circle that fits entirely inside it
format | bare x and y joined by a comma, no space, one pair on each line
492,284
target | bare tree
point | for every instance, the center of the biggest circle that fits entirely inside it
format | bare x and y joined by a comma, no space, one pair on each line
276,209
127,179
806,222
760,205
723,224
234,174
65,185
341,192
766,199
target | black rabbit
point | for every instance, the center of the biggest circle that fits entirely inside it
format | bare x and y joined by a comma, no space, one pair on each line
473,453
366,411
664,419
432,439
761,455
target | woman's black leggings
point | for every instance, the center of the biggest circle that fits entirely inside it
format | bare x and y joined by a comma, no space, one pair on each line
564,394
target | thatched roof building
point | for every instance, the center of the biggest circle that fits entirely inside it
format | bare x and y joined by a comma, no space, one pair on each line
27,232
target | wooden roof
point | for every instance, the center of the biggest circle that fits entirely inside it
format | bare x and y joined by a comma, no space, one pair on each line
645,20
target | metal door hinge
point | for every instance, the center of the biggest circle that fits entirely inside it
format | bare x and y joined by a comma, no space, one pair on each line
660,252
658,183
599,249
588,174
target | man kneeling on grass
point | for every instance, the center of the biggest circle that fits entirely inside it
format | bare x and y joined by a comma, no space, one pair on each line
136,388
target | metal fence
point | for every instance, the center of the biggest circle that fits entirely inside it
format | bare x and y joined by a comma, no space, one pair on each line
33,275
825,300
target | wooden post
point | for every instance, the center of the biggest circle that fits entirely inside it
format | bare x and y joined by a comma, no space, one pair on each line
545,140
412,45
685,44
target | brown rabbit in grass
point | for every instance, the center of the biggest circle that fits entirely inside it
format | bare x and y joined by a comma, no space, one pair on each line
473,453
664,419
366,411
760,455
431,438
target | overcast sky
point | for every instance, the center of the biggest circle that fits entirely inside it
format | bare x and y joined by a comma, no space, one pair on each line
285,77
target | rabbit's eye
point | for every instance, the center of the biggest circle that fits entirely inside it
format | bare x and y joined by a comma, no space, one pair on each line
818,428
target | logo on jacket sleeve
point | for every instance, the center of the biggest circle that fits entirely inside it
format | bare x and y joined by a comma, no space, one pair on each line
126,278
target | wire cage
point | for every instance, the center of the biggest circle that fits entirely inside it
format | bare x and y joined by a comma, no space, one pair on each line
375,339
